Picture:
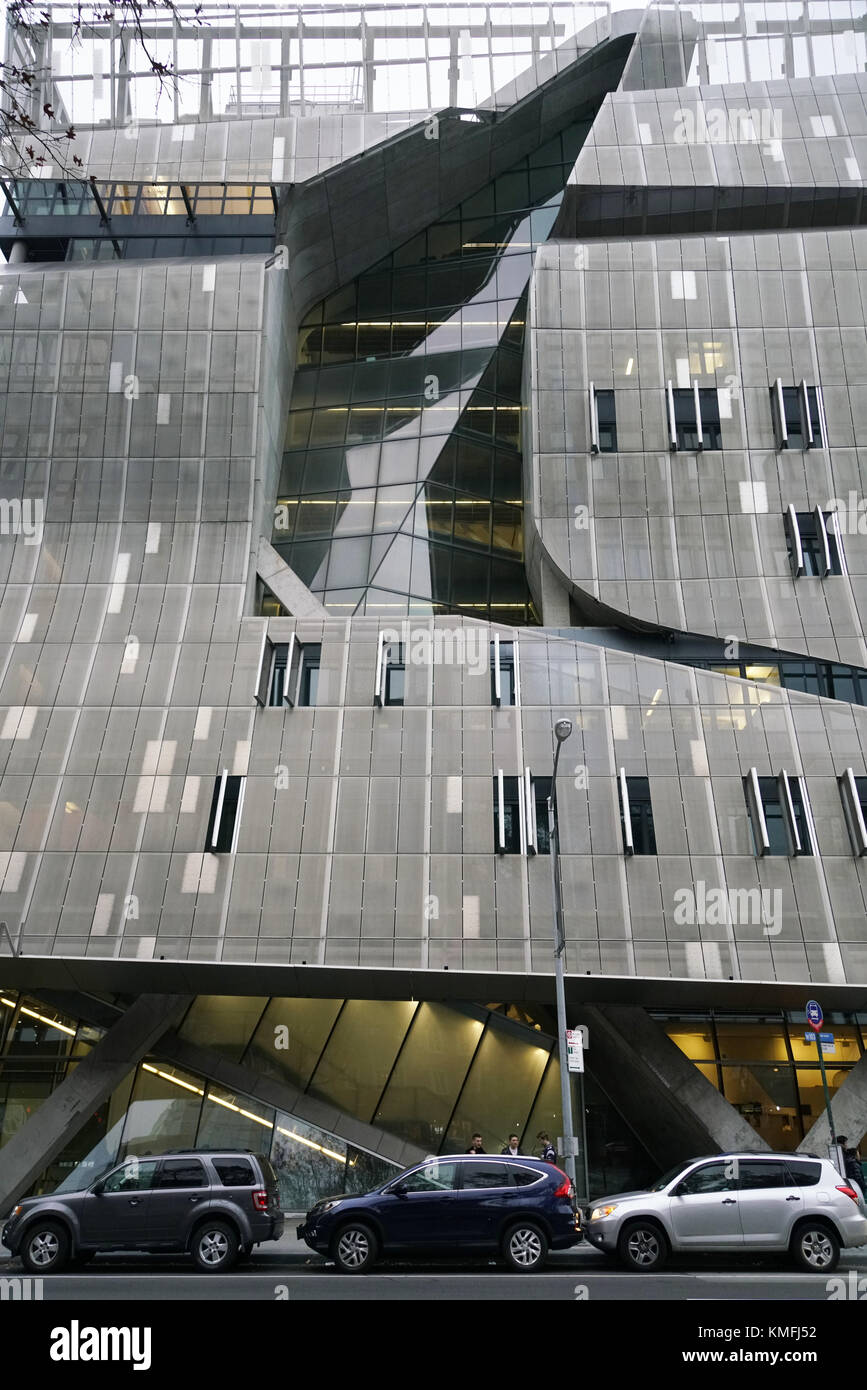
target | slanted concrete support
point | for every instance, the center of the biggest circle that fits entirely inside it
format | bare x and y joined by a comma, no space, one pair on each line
68,1108
849,1108
670,1105
284,583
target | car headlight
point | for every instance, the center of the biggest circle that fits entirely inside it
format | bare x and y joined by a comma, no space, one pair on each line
329,1206
14,1212
599,1212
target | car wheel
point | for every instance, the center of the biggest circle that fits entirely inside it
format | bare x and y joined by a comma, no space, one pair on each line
215,1247
525,1247
815,1248
46,1248
354,1248
642,1247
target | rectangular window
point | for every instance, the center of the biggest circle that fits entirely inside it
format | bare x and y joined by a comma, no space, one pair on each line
395,681
308,675
636,814
780,815
504,673
799,416
277,683
853,791
814,543
278,672
684,419
709,418
225,818
390,681
182,1172
507,814
541,792
603,421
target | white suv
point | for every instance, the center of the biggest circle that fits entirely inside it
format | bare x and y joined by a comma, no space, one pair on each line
734,1202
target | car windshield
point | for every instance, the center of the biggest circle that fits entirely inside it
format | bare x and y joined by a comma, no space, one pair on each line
666,1178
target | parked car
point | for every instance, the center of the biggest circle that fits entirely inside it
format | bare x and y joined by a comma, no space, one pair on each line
456,1205
734,1203
213,1205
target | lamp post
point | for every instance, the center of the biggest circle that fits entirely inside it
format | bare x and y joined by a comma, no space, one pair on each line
562,730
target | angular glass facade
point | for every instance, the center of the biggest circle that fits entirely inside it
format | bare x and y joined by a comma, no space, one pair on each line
401,489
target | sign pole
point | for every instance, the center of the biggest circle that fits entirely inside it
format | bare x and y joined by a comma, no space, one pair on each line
825,1089
815,1018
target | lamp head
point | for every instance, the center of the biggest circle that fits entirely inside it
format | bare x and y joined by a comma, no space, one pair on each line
563,729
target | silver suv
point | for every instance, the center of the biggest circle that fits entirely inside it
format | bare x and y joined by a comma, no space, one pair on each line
212,1204
733,1202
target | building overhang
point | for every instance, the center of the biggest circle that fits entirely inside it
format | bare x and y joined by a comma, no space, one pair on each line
88,974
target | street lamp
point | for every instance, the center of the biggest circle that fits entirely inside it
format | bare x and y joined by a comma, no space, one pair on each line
562,730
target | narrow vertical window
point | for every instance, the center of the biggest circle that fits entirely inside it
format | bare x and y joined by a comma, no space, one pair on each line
685,424
308,675
225,818
708,405
507,814
853,791
389,684
780,814
603,421
636,814
814,543
798,415
504,673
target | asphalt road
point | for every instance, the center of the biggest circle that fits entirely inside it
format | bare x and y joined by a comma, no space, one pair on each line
287,1271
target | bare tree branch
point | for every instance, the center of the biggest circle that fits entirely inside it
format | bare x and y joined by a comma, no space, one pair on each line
32,140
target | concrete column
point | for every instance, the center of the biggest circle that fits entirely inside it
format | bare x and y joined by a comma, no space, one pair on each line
673,1109
18,253
849,1108
67,1110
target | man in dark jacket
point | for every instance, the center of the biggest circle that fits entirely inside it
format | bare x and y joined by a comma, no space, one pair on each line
548,1152
475,1146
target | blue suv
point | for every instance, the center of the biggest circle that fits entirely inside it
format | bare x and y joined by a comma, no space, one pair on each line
519,1208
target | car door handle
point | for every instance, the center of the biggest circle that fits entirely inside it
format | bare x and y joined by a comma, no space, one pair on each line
195,1199
728,1202
793,1199
133,1202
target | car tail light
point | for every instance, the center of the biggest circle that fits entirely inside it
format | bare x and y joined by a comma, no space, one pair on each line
849,1191
260,1199
565,1188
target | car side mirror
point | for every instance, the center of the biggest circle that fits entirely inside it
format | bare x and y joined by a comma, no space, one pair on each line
98,1188
680,1190
399,1189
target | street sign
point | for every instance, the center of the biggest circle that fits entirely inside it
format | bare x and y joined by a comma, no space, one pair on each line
574,1049
826,1039
815,1017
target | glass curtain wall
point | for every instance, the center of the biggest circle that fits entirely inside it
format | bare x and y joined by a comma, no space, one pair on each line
766,1064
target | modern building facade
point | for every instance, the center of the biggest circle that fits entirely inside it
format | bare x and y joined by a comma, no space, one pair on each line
401,382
